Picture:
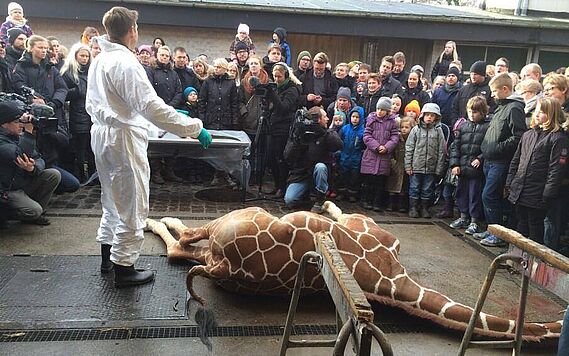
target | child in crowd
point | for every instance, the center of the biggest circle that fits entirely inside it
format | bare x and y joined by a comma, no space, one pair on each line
15,19
538,167
381,136
466,163
373,93
242,36
279,37
361,88
424,160
396,100
398,181
413,110
191,104
338,121
351,156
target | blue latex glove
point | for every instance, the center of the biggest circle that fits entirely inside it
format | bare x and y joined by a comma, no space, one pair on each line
205,138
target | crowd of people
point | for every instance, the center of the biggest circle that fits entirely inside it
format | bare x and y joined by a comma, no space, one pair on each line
493,142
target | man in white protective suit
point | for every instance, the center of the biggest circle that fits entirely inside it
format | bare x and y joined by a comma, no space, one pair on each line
120,99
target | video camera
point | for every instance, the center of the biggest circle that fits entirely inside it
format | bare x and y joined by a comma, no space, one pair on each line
306,127
262,90
42,115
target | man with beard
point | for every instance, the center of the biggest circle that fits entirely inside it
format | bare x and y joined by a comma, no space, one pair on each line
241,58
17,39
187,76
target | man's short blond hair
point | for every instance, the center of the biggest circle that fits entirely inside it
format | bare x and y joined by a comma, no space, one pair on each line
118,21
501,80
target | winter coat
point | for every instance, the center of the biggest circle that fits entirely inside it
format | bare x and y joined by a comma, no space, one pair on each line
6,85
466,148
247,41
505,130
468,91
167,84
79,119
369,101
530,107
390,86
401,77
302,157
409,95
444,98
192,109
331,110
8,25
348,82
353,140
397,175
188,79
425,149
379,132
441,67
285,48
219,104
284,104
13,56
250,111
329,93
268,66
13,177
537,169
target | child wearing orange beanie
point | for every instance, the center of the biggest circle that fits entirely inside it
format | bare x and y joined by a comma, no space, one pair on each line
413,109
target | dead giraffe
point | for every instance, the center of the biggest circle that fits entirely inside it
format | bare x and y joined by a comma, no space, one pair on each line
253,252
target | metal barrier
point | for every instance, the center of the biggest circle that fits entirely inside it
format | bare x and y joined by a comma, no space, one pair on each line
353,311
523,263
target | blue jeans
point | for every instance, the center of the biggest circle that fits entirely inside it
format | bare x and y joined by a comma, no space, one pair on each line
296,191
68,184
556,217
492,194
564,337
422,186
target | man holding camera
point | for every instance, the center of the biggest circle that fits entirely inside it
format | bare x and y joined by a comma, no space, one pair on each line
308,153
25,186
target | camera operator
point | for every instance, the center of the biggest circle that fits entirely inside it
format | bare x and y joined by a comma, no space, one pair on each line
25,186
284,101
308,153
34,70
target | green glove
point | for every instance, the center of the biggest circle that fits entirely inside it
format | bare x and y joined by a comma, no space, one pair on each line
205,138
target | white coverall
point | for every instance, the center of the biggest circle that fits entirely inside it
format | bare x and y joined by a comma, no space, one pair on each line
120,100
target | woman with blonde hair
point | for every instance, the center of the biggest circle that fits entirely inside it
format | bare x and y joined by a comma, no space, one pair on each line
556,86
233,73
74,72
448,55
531,90
202,70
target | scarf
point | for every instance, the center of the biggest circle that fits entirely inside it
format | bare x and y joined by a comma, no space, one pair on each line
451,88
16,23
263,79
283,84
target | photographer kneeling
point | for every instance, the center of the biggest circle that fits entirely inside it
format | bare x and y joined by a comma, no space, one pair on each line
308,153
25,186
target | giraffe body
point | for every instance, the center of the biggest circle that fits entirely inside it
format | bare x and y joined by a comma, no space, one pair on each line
253,252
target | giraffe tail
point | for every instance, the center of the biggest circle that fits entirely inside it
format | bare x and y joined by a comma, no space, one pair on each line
204,317
432,305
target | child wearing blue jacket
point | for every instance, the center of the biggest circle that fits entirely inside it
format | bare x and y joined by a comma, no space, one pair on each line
279,37
351,156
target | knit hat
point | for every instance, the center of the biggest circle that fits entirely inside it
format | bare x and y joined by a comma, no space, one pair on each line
303,54
243,28
241,46
13,33
345,93
431,108
361,84
14,6
479,67
341,114
146,48
413,106
455,71
384,103
189,90
417,68
9,112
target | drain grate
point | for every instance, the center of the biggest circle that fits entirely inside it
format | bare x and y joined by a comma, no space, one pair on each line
182,332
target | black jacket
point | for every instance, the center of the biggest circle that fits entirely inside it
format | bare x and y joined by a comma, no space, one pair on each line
303,157
284,104
390,86
166,83
13,177
369,101
466,148
441,68
409,95
13,56
6,85
537,168
401,77
188,79
348,82
79,119
468,91
268,66
506,128
330,88
218,103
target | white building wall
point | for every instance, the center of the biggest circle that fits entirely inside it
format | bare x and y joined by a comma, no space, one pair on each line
535,5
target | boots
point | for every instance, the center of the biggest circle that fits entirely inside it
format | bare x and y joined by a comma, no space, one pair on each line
390,202
106,264
169,175
368,196
447,211
403,203
425,213
317,207
414,208
126,276
155,175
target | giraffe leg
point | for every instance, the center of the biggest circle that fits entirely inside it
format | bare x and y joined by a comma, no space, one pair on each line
174,249
174,224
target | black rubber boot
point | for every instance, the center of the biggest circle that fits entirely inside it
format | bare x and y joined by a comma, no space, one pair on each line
127,276
414,208
106,264
425,213
403,203
317,207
